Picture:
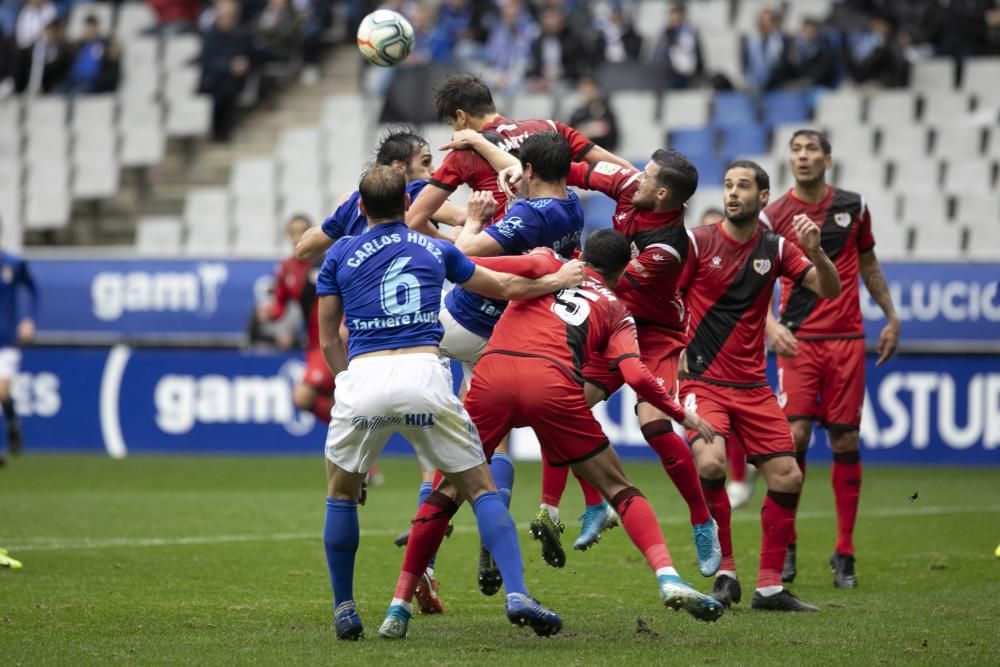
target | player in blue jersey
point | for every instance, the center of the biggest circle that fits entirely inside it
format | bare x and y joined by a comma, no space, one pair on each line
401,149
17,326
387,282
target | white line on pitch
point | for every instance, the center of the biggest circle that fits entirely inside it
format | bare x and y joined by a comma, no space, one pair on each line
61,544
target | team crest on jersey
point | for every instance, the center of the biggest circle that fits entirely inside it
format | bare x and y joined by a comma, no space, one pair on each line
762,266
842,219
716,262
7,273
607,168
509,226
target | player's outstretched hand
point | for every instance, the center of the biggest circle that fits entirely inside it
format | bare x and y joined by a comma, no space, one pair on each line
570,274
807,232
509,180
887,342
783,341
693,422
482,205
462,140
26,331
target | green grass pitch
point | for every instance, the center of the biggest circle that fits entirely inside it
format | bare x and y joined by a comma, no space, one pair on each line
217,561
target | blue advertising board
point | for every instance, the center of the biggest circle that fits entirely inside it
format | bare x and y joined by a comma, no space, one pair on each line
198,300
920,409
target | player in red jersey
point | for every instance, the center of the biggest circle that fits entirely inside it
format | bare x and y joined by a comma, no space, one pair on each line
728,282
650,214
820,343
294,281
531,375
466,103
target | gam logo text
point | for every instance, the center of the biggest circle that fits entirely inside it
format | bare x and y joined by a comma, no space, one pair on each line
115,293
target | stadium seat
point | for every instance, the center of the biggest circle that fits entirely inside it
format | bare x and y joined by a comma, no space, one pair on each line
158,235
46,114
686,109
937,242
12,230
710,17
786,106
953,141
974,208
133,19
902,141
304,201
883,207
46,147
639,140
855,138
142,146
532,106
705,197
93,111
304,173
300,143
892,240
206,218
838,108
983,241
918,175
181,82
95,177
649,19
943,108
189,116
781,136
733,109
640,107
745,19
936,74
140,69
615,77
47,203
746,140
929,207
860,174
970,175
710,168
102,11
139,112
10,143
180,51
722,56
694,142
888,107
980,75
598,211
253,176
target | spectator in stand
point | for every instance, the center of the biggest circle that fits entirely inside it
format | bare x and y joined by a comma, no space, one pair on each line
44,66
679,49
876,56
455,27
507,53
95,65
430,45
961,27
619,40
766,53
278,28
315,18
595,118
813,59
34,16
227,54
558,54
176,15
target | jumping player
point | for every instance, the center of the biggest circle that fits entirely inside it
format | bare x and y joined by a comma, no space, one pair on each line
531,375
387,282
728,281
15,330
820,343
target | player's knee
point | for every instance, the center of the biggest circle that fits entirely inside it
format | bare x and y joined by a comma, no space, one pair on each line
843,442
801,433
304,397
712,467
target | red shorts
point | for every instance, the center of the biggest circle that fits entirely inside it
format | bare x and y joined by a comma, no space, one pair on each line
751,415
824,382
511,392
661,352
317,374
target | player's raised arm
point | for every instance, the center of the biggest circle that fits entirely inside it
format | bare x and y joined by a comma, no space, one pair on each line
313,244
509,287
421,211
822,278
472,240
498,158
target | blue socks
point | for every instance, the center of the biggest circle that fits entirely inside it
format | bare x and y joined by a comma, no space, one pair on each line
499,535
502,469
425,490
340,537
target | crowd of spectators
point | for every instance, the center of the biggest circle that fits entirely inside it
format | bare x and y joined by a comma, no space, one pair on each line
543,45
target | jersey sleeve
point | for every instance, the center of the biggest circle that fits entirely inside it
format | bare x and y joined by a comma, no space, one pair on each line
518,231
414,188
778,224
622,341
458,268
792,262
612,179
454,170
656,260
326,282
533,265
336,225
690,266
579,144
866,240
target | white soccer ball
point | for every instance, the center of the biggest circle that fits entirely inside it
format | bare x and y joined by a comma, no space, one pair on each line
385,38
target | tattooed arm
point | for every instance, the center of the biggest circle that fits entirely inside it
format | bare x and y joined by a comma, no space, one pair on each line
871,273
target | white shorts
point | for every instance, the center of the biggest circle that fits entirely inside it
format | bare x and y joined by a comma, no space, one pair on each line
408,394
460,344
10,362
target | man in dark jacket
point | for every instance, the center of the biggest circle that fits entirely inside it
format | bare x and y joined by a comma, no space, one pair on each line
226,57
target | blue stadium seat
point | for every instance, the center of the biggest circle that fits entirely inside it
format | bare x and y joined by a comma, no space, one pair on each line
597,212
710,170
732,108
786,106
743,141
693,142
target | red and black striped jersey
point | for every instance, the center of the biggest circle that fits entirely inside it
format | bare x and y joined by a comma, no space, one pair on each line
845,232
659,247
467,167
727,288
569,327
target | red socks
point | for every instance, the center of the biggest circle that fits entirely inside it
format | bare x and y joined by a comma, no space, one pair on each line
677,460
777,520
737,460
846,477
554,485
642,527
426,535
718,501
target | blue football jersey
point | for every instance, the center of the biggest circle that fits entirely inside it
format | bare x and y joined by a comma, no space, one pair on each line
530,223
14,276
390,279
348,220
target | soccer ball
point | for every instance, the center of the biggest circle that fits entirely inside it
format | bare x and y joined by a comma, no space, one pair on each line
385,38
